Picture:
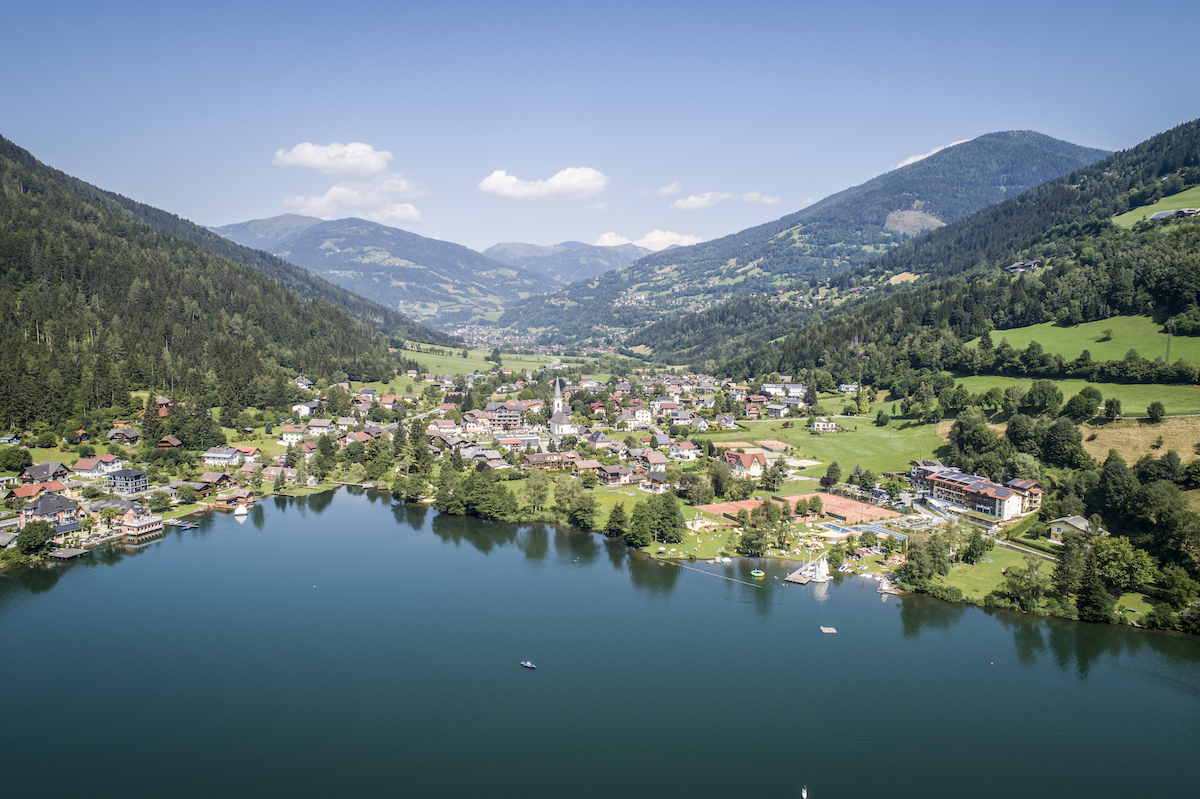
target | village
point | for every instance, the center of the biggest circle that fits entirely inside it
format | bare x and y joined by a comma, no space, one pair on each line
623,439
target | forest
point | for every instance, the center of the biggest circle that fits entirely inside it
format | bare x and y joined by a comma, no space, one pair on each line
97,304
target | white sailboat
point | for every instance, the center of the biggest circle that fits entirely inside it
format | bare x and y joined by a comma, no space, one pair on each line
821,572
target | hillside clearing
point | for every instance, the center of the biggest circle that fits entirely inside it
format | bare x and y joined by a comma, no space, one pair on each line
1184,199
1128,332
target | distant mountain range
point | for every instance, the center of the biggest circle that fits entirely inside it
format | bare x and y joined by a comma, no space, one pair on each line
438,282
841,232
568,262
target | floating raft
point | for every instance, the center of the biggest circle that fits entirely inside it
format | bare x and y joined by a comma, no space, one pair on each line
828,629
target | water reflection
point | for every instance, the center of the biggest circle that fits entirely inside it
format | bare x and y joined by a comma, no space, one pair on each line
410,513
484,536
918,612
535,543
618,552
258,516
653,576
573,546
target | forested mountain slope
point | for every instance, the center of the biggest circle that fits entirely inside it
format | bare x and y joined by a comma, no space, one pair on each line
97,303
840,232
1092,270
439,282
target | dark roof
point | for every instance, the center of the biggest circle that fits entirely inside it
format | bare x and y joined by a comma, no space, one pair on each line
48,503
127,474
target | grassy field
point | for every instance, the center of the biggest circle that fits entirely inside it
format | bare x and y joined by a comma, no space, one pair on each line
1134,397
879,449
455,364
1134,439
1128,332
1184,199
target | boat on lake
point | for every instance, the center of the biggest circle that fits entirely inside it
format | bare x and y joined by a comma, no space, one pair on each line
528,664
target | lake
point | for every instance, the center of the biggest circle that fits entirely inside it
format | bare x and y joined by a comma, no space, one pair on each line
345,645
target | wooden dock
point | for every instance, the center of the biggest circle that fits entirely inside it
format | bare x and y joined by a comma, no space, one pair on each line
798,578
66,553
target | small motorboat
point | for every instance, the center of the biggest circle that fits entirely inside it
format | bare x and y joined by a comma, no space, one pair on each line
240,510
803,792
757,573
528,664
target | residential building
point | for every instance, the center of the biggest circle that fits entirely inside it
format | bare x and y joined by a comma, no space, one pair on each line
1065,524
975,493
43,472
58,511
225,457
99,466
128,481
292,434
823,425
746,464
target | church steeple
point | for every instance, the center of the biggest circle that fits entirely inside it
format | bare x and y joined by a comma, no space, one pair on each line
558,398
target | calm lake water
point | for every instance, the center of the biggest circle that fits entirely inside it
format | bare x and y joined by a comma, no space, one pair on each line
343,645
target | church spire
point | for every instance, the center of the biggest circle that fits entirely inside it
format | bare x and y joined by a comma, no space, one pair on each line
558,399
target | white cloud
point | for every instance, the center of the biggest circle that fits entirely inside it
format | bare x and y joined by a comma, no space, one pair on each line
755,197
596,207
611,240
669,190
362,186
711,198
912,159
708,198
354,161
654,240
573,183
363,200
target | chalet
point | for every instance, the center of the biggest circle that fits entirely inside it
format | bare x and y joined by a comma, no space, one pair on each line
99,466
726,421
43,472
224,457
366,393
168,442
389,401
822,424
357,436
550,460
308,449
124,435
80,436
1065,524
848,388
216,480
776,411
241,496
164,407
303,382
303,409
615,475
128,481
10,439
292,433
318,427
59,512
249,454
752,410
654,482
651,458
201,489
346,423
745,464
28,491
587,465
683,451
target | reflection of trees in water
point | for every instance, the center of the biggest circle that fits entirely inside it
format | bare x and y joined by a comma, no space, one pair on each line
484,536
317,503
281,503
917,612
653,576
534,542
37,579
410,513
760,595
1028,640
258,516
618,552
572,544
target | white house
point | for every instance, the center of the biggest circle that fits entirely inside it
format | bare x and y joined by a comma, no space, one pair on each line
222,456
822,425
683,451
1065,524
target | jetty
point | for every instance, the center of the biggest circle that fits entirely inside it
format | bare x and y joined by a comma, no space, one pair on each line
66,553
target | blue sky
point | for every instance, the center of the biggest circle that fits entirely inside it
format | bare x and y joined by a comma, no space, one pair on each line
545,122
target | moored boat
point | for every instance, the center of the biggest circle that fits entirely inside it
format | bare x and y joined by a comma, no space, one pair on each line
528,664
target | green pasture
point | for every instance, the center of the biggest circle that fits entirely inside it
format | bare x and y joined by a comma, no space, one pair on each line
1184,199
880,449
1134,397
1128,332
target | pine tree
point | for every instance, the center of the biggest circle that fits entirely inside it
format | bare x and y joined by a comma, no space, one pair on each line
1094,603
615,526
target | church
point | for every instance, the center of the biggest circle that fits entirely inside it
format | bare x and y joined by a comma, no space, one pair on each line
560,421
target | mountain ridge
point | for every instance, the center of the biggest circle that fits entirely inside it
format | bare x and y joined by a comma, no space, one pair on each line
568,261
437,281
839,232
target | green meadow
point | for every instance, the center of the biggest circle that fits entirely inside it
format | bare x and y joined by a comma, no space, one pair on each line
880,449
1184,199
1128,332
1134,397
